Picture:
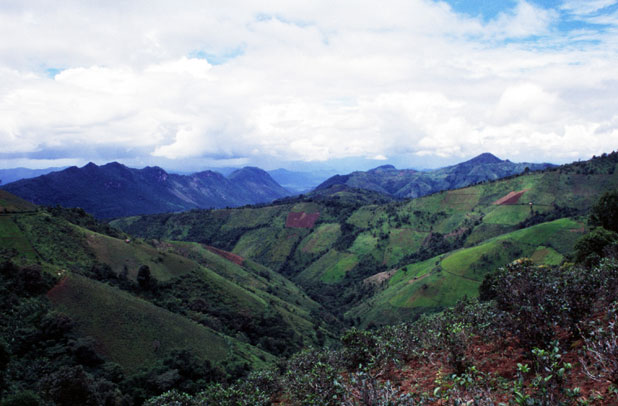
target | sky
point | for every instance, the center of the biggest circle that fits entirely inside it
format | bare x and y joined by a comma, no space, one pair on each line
306,84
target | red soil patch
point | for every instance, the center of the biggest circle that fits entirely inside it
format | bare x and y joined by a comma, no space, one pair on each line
497,358
237,259
54,292
301,219
511,198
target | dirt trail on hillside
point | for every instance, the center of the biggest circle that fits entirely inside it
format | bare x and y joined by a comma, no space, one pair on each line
420,278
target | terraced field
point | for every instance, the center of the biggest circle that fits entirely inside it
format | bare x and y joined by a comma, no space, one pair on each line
440,281
330,268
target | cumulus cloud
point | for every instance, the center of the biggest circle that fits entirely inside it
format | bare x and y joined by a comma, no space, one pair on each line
277,80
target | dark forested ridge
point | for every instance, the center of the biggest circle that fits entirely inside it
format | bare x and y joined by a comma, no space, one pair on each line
114,190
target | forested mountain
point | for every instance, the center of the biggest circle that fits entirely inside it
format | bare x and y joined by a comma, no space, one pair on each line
409,183
114,190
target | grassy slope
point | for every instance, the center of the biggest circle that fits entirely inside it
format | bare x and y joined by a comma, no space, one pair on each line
260,282
330,268
250,290
12,238
126,328
440,281
447,212
12,203
321,239
247,287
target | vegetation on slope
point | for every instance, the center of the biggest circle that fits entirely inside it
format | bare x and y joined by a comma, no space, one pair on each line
129,318
355,244
542,336
365,260
440,281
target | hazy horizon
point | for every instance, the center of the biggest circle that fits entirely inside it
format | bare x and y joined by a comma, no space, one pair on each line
339,166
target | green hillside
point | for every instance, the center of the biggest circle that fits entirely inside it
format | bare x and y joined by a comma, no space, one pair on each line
11,203
353,240
134,333
441,281
247,301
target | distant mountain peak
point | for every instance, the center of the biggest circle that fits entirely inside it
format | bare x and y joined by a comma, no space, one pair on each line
484,158
383,168
112,165
249,171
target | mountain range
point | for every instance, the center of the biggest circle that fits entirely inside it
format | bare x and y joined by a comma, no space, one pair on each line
410,183
15,174
114,190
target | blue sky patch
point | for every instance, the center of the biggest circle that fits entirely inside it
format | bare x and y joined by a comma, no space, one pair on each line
486,10
52,72
218,58
569,20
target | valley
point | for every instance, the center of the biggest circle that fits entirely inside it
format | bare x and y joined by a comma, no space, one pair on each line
464,232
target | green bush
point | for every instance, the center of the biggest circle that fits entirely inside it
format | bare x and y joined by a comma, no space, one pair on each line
25,398
172,398
312,378
605,212
591,247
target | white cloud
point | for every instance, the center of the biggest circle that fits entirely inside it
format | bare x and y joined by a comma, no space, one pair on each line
524,21
301,81
582,8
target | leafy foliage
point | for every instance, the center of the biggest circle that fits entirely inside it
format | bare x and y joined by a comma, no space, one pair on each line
539,298
605,212
592,247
